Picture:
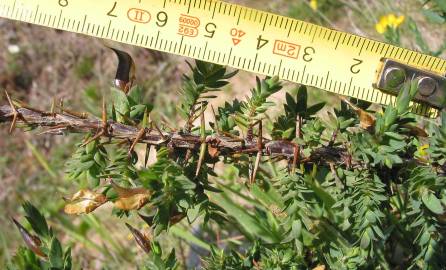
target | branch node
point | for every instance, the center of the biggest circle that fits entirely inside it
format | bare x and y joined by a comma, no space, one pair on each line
15,113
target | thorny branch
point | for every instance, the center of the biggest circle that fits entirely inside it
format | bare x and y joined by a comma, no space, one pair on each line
65,122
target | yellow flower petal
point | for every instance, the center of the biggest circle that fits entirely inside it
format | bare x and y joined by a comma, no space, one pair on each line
422,148
389,21
313,4
380,29
400,20
391,18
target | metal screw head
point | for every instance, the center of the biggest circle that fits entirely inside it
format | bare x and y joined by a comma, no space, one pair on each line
394,77
427,86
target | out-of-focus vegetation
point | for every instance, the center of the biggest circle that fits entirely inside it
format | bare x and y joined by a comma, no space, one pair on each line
37,70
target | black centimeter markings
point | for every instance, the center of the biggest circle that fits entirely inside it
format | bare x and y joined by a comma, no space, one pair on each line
289,26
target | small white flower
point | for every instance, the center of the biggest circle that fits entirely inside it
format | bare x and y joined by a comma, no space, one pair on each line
13,48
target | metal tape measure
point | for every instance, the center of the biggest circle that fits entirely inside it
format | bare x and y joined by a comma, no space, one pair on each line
250,40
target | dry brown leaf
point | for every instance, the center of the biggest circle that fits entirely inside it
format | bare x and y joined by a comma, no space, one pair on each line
213,151
416,131
84,201
32,242
141,239
366,120
174,219
130,198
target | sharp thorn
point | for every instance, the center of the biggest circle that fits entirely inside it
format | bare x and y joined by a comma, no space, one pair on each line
10,101
98,135
295,158
203,143
259,153
296,154
104,114
14,111
53,107
159,131
13,123
137,138
61,105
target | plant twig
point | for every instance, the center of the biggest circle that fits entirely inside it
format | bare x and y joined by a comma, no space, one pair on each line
64,122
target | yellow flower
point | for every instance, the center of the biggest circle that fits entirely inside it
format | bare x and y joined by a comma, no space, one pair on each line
313,4
389,21
422,150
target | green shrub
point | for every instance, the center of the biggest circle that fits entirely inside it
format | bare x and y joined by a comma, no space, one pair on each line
346,188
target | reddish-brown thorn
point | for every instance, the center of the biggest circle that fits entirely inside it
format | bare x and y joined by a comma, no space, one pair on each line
259,153
159,131
138,137
104,115
203,144
296,155
103,129
14,111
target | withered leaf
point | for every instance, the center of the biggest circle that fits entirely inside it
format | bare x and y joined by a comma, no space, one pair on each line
366,120
213,151
84,201
130,198
416,131
32,242
142,240
174,219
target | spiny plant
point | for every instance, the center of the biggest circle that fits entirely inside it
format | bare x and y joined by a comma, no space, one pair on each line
43,250
340,188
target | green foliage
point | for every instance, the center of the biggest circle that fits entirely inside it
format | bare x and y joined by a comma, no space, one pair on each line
157,261
226,122
206,78
120,166
87,163
36,219
129,108
425,206
389,141
361,189
52,255
435,11
285,126
253,108
175,192
254,257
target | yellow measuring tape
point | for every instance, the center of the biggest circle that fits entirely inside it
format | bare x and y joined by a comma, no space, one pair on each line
236,36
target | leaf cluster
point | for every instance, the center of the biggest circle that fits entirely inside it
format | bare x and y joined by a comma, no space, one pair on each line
44,250
365,189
